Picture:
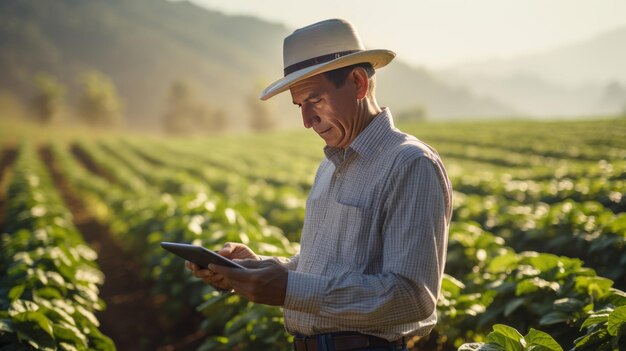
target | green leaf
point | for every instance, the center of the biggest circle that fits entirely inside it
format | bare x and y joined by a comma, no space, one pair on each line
48,293
24,257
6,325
554,317
617,297
452,285
504,263
513,305
56,278
30,317
507,331
16,292
35,329
88,315
569,305
617,319
60,316
471,346
90,275
544,262
41,276
597,287
99,341
508,338
481,347
21,306
63,346
67,332
534,284
538,338
595,319
593,340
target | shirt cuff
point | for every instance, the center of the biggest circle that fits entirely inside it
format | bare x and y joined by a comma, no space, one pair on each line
305,292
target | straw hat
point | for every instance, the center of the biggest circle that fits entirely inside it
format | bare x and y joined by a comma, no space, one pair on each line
322,47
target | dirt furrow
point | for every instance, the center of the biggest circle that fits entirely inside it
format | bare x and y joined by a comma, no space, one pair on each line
83,157
6,161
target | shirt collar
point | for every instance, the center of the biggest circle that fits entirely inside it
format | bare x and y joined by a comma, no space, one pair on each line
368,142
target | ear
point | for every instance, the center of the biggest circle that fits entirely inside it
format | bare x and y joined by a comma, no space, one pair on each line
361,82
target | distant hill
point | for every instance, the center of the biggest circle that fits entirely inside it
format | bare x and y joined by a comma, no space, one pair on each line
570,80
145,45
405,87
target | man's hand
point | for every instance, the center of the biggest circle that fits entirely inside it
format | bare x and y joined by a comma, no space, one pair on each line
262,282
237,251
230,250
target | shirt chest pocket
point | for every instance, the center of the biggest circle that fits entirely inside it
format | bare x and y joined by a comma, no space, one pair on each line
350,230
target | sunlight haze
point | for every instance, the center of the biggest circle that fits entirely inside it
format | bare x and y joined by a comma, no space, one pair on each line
443,33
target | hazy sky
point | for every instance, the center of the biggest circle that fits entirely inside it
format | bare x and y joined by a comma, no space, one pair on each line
439,33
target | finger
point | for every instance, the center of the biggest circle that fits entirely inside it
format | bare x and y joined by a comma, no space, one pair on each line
219,281
191,266
216,280
205,273
222,284
198,274
227,249
229,273
213,280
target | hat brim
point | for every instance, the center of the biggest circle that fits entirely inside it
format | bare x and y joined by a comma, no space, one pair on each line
378,59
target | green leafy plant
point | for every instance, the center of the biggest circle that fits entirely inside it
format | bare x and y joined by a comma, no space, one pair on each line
505,338
49,280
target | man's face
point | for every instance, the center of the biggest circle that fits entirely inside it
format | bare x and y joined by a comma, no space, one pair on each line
330,111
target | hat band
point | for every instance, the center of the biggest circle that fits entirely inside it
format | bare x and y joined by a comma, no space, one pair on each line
316,60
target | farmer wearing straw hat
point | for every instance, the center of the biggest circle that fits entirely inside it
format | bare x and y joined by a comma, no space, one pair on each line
374,239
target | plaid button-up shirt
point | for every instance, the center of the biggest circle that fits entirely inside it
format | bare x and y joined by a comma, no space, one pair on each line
374,240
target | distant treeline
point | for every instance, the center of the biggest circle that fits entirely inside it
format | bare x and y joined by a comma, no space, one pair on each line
100,105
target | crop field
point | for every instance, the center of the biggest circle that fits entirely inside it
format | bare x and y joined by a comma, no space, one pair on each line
536,252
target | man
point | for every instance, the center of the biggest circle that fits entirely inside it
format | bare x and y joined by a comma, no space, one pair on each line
374,240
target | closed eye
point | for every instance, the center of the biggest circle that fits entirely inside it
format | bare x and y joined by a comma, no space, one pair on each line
312,101
313,98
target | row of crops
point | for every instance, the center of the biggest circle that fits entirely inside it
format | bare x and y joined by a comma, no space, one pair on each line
536,245
49,281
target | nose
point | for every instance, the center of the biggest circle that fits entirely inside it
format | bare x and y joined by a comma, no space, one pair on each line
309,118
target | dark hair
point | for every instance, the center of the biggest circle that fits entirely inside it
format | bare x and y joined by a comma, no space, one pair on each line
338,76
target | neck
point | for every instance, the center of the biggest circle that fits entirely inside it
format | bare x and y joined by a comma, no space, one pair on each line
367,110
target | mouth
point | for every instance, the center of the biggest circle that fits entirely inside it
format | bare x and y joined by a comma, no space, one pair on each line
324,131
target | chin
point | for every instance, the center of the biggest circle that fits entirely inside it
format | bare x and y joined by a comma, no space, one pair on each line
331,143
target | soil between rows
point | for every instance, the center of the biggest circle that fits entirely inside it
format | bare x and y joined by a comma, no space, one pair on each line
7,159
131,317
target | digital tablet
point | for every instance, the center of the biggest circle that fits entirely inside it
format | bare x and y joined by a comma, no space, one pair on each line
199,255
